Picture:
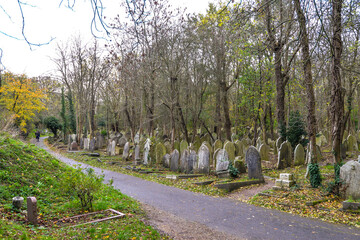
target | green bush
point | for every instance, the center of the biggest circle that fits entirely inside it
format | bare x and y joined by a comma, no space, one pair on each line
233,171
84,186
296,129
53,124
335,186
315,177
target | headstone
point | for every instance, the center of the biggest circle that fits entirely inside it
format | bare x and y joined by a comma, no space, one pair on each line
17,202
160,151
264,152
278,143
253,163
174,161
214,157
137,157
168,147
183,145
86,143
193,161
147,158
108,148
183,160
230,149
81,143
74,146
166,160
137,138
32,210
299,155
286,180
217,144
92,145
126,151
350,176
222,161
352,143
122,141
284,156
112,148
203,160
239,164
99,141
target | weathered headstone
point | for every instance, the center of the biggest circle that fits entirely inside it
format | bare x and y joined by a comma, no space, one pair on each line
174,161
284,156
137,156
166,160
299,155
350,176
108,148
137,138
203,162
74,146
264,152
168,147
92,145
86,143
99,141
222,163
160,152
352,143
217,144
183,145
239,164
147,158
32,215
253,163
183,160
17,202
279,141
126,151
122,141
193,161
230,149
112,148
81,143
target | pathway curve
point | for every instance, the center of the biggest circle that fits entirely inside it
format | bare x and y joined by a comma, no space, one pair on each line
232,217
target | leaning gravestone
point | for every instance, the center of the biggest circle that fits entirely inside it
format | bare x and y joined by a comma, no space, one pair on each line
222,163
264,152
230,149
350,176
253,163
174,161
203,162
166,160
160,151
147,159
299,155
126,151
284,156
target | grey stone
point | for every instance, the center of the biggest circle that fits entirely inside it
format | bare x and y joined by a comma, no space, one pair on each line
174,161
203,160
137,156
137,138
352,143
284,156
278,142
166,160
17,202
230,149
183,160
350,175
253,163
32,214
92,145
74,146
81,143
86,144
147,158
122,141
299,155
126,151
264,151
160,150
222,161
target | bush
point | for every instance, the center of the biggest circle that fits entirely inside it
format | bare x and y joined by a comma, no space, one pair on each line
315,177
335,187
233,171
83,186
296,129
53,124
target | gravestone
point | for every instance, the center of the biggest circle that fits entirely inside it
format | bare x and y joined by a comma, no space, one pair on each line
222,163
17,202
174,161
193,161
137,139
160,151
352,143
217,144
214,157
203,160
264,152
168,147
92,145
253,163
122,141
108,148
299,155
237,148
147,158
86,143
284,156
230,149
239,164
126,151
81,143
99,141
112,148
184,160
32,210
350,176
183,145
74,146
137,157
278,142
166,160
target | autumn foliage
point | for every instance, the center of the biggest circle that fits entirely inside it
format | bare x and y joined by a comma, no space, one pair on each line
21,96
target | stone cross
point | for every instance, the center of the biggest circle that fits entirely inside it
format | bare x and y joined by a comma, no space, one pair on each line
32,210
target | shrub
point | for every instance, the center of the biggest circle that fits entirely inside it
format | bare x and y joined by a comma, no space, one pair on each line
233,171
315,177
53,124
296,129
335,187
83,186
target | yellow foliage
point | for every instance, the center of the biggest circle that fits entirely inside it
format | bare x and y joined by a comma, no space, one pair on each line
22,97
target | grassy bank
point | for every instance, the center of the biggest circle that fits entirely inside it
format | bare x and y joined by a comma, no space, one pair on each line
26,170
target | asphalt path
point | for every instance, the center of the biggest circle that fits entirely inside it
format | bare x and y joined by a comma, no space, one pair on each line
222,214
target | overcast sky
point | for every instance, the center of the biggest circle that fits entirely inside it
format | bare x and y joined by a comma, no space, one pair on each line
44,20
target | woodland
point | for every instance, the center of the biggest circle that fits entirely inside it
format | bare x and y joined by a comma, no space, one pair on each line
240,69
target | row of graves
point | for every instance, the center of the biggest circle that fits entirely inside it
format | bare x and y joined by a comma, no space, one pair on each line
207,157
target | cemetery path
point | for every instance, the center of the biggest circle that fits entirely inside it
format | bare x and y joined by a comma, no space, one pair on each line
225,215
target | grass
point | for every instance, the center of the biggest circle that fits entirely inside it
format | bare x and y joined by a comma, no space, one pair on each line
26,170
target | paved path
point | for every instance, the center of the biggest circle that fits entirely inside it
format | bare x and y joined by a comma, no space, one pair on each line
222,214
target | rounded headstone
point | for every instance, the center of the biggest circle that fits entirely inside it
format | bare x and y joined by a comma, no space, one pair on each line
203,160
253,163
299,155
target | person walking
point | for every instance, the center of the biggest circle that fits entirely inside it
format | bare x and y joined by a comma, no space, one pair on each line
37,135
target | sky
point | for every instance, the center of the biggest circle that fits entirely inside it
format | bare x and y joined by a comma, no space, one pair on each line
45,20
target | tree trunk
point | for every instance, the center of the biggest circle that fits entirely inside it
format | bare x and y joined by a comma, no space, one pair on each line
337,99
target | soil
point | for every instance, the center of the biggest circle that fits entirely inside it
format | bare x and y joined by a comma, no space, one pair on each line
179,228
